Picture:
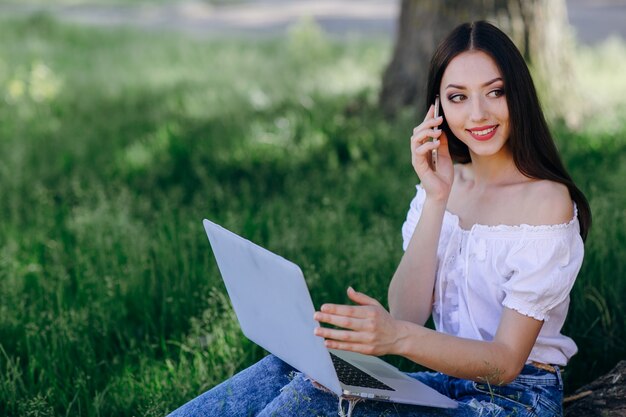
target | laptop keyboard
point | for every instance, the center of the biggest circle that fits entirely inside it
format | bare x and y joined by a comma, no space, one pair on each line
351,375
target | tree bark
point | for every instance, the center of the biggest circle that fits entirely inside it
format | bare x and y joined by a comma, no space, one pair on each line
538,27
604,397
421,26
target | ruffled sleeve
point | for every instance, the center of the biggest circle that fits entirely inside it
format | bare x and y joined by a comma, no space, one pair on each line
413,216
543,270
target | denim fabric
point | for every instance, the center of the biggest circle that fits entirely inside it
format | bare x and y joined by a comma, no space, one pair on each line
273,388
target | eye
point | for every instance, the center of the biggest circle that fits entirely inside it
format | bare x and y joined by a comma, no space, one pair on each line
456,98
498,92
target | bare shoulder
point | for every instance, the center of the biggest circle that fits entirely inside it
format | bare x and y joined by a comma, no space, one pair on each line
548,201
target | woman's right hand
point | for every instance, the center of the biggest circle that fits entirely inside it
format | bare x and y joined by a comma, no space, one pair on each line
437,184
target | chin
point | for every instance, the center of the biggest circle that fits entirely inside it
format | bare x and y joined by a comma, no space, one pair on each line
486,149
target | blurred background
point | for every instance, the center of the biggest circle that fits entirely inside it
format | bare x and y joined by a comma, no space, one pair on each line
124,123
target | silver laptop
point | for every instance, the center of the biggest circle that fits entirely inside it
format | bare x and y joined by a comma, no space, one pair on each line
274,308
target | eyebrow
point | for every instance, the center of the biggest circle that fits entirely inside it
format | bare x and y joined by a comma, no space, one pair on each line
460,87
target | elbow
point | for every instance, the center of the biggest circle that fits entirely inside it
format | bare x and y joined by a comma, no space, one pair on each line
502,371
510,375
396,312
507,364
412,315
499,376
510,372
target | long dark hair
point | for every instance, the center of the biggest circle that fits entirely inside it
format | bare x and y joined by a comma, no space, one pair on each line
530,141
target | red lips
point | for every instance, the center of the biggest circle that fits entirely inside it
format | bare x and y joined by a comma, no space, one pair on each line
483,133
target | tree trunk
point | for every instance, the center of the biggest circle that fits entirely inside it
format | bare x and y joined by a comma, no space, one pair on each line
604,397
422,25
538,27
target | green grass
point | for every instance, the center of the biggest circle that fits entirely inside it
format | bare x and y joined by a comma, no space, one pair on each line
115,144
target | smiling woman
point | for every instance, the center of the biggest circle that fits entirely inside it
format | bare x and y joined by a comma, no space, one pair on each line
477,110
492,245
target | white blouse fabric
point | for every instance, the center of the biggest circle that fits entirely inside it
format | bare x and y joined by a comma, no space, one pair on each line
530,269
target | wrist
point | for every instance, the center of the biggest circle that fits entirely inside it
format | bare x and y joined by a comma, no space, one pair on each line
404,330
436,202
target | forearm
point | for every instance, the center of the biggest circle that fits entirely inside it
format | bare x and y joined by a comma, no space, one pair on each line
492,362
411,288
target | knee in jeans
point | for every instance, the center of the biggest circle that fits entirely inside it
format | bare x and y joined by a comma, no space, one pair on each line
274,364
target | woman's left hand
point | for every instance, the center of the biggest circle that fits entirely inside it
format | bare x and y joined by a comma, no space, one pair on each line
369,328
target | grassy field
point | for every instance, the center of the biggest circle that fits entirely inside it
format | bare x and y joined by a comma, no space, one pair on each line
114,145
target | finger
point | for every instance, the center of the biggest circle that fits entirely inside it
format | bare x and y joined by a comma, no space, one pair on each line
416,143
430,113
361,298
429,123
353,347
343,335
339,320
426,147
424,135
358,312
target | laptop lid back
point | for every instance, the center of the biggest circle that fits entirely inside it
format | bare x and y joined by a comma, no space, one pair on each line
272,303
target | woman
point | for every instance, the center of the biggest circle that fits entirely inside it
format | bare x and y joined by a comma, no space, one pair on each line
492,244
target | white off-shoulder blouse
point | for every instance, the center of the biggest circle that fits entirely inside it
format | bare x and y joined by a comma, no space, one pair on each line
530,269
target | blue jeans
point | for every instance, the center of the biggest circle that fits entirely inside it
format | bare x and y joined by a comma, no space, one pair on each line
273,388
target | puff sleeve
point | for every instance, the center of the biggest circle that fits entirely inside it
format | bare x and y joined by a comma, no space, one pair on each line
413,216
543,270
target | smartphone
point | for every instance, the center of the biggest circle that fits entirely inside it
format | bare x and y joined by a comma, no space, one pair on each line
433,156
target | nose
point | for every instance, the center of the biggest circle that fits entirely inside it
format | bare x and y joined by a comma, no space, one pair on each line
478,110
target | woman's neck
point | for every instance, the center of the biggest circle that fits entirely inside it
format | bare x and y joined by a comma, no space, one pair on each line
494,170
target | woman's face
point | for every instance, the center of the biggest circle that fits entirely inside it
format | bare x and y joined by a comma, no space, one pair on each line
474,105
